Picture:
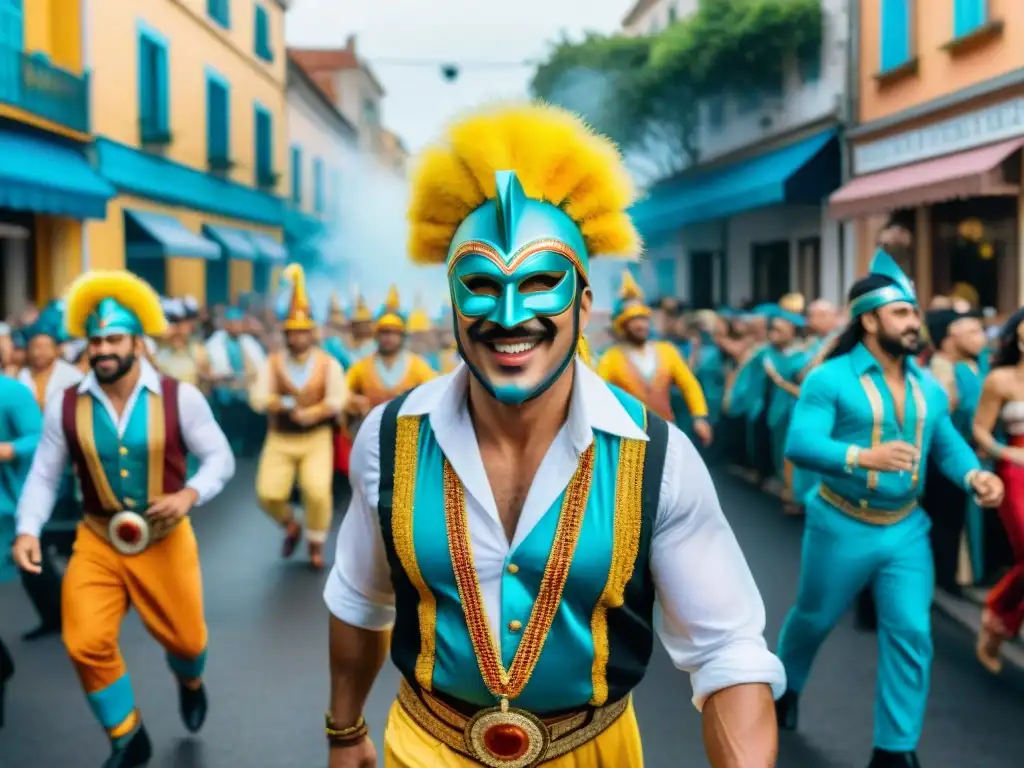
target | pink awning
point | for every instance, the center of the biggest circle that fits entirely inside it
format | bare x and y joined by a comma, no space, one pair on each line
975,173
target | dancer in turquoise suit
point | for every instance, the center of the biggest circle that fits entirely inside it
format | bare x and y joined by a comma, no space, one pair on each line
867,419
21,427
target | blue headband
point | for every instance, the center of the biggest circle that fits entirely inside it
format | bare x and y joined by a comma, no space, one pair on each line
901,288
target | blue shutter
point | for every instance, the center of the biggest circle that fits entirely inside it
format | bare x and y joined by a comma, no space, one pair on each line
147,81
895,34
217,127
220,11
264,144
968,15
297,176
262,41
318,185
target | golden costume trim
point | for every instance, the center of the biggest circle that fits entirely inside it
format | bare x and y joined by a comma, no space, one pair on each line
481,248
87,441
628,523
921,405
877,419
863,512
157,446
502,683
407,443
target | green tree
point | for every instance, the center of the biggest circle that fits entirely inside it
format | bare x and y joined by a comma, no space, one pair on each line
645,92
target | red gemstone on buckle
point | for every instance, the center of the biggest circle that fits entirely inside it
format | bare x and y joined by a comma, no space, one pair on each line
129,533
508,742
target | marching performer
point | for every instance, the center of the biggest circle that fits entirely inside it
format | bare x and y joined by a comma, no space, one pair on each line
868,419
302,390
127,430
234,356
334,343
178,354
392,369
465,521
48,375
360,331
649,369
448,351
421,338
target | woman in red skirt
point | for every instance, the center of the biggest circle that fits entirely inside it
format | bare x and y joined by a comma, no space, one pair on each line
1002,401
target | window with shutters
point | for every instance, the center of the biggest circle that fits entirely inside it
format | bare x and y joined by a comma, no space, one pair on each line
296,170
265,176
969,16
318,185
262,47
154,117
218,127
220,12
896,34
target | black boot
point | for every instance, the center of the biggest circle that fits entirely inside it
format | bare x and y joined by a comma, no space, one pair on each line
192,705
787,711
883,758
6,673
43,630
131,750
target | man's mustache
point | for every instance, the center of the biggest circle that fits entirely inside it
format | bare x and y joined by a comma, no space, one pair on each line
539,329
105,359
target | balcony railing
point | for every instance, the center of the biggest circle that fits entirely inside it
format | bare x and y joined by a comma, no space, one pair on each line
28,81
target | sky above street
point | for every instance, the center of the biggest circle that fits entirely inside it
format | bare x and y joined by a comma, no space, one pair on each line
419,101
367,248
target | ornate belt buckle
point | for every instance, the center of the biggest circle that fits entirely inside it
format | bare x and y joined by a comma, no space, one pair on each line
129,532
506,738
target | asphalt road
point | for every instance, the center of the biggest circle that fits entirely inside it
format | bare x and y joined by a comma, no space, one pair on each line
268,673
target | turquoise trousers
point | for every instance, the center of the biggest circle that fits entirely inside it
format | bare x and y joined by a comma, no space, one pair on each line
841,556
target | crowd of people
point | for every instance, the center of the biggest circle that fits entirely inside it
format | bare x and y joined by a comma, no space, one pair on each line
502,421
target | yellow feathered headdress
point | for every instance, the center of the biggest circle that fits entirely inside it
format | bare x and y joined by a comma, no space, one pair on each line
793,302
335,313
361,313
631,301
299,316
389,316
556,157
104,302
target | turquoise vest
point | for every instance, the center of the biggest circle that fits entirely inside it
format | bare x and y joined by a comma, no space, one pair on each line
600,640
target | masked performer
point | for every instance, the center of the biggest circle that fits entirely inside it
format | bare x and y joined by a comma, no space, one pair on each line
649,369
303,391
127,430
392,369
1002,399
868,419
517,546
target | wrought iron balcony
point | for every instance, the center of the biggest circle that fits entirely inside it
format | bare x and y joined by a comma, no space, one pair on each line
28,81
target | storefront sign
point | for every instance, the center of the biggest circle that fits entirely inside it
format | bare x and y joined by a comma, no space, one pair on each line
998,122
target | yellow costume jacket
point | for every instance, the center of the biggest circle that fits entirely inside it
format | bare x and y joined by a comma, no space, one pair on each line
617,368
371,379
324,391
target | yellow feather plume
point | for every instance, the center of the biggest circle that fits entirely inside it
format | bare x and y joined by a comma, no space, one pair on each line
629,288
393,303
557,158
131,291
299,315
793,302
419,321
361,313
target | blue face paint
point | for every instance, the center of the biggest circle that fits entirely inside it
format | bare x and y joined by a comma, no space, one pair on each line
495,255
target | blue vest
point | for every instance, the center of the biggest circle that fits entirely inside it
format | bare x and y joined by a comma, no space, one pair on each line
601,636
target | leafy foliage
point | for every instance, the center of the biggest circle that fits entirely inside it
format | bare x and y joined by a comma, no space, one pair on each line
644,92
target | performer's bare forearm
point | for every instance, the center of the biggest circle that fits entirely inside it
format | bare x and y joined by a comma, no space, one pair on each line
740,730
356,658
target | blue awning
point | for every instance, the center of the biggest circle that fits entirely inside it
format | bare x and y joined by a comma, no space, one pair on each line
156,236
805,172
235,242
299,226
51,178
267,248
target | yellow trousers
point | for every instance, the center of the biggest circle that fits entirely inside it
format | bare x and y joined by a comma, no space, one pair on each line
406,745
308,458
163,584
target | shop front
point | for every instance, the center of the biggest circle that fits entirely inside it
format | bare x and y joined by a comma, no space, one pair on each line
750,229
955,183
47,188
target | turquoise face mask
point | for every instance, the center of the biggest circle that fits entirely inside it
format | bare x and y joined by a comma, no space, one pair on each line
501,246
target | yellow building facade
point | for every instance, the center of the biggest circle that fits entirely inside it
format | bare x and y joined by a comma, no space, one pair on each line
47,187
190,125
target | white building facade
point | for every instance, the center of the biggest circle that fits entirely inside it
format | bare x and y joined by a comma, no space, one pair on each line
748,222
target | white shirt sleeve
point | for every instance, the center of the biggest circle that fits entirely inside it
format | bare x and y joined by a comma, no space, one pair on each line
713,617
358,589
39,494
204,437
